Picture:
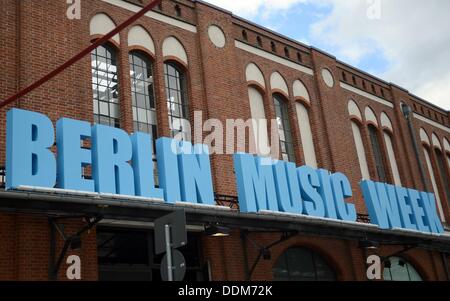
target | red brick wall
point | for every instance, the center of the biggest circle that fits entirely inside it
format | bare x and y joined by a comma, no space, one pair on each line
25,248
226,257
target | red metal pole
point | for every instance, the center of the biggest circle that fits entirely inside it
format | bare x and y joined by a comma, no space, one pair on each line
80,55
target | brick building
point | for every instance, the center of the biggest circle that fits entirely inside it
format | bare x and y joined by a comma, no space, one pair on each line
187,56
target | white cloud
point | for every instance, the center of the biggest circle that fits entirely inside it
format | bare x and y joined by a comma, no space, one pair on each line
412,35
251,8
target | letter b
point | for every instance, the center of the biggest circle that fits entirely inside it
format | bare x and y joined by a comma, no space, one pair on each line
29,160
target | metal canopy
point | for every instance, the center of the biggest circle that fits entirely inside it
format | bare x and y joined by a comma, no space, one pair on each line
64,204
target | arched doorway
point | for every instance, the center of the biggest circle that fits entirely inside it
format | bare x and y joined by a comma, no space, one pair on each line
302,264
398,269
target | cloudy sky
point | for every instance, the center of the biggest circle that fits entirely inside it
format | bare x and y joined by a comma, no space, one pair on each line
406,42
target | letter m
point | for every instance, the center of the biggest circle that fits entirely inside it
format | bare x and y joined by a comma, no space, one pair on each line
255,183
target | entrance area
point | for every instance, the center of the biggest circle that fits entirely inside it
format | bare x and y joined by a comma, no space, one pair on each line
128,255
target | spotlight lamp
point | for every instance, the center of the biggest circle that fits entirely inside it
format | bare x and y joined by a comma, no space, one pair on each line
217,230
368,244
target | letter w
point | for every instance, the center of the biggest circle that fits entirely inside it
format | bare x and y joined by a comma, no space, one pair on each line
382,204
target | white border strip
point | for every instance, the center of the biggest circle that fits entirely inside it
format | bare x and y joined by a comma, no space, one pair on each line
315,218
142,225
202,206
270,56
367,95
432,122
87,194
154,15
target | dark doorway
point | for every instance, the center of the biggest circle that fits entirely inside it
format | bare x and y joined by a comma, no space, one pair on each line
128,255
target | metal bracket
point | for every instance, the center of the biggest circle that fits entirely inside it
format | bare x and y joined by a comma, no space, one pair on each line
264,251
405,249
73,241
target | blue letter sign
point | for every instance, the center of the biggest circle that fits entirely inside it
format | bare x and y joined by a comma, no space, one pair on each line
397,207
29,160
122,164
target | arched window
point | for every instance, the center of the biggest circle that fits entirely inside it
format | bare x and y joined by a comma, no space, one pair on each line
433,181
360,151
300,264
447,151
259,122
244,35
398,269
177,101
392,160
354,111
178,10
376,149
388,132
259,41
105,85
301,94
143,97
273,46
306,135
445,180
284,128
426,147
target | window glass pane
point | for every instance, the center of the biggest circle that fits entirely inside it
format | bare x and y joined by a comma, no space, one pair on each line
95,107
173,82
144,110
151,117
387,275
400,270
444,178
176,100
142,100
105,86
300,264
376,148
114,110
413,274
142,115
104,120
284,129
141,69
323,271
280,270
104,108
